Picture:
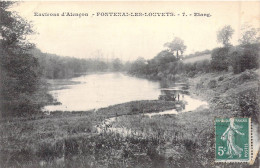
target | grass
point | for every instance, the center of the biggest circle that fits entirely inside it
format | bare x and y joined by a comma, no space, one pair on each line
26,141
197,58
71,139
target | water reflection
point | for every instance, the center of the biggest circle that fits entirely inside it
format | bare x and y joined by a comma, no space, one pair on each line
102,90
171,91
178,92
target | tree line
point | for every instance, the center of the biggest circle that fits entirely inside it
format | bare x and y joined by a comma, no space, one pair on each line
53,66
168,63
241,57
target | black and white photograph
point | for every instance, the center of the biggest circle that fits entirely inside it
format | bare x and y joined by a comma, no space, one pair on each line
129,84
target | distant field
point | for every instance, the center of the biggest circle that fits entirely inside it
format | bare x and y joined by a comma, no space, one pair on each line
197,58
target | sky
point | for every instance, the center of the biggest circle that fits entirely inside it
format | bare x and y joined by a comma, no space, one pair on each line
131,37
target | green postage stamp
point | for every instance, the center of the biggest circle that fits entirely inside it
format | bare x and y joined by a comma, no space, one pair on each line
233,139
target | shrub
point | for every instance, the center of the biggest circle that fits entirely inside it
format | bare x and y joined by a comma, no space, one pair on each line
221,78
219,59
212,84
247,75
245,57
205,66
248,102
191,74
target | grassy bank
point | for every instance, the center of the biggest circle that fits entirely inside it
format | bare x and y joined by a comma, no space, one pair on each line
183,140
229,95
44,139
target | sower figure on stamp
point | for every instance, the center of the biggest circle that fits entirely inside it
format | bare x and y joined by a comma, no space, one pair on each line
229,136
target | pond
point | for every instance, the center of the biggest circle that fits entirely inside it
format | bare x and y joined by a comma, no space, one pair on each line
99,90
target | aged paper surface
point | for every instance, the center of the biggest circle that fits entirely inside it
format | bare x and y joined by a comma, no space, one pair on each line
129,84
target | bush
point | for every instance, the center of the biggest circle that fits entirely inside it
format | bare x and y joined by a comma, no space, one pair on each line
212,84
221,78
203,66
220,59
247,75
191,74
248,102
245,57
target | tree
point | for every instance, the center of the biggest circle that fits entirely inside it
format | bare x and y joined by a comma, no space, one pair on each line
165,57
250,35
245,57
18,68
117,65
138,66
176,45
163,60
220,59
224,35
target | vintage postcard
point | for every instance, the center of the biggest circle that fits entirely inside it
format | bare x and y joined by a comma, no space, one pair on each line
129,84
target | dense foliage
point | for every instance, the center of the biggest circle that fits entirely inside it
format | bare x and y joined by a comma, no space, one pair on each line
166,65
158,67
19,69
245,57
56,67
220,60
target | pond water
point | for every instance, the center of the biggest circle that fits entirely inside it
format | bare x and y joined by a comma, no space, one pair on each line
191,104
95,91
101,90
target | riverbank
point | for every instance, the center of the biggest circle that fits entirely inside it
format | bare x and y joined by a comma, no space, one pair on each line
183,140
228,95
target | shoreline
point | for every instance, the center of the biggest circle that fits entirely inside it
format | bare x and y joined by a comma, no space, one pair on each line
128,108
